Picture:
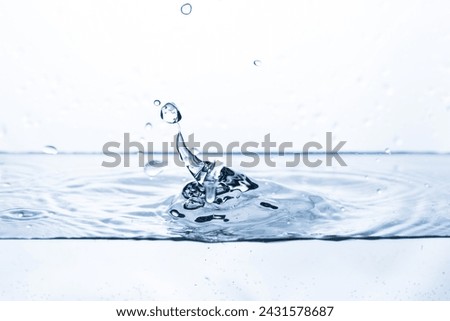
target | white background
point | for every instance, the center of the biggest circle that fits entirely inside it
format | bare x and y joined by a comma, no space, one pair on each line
76,74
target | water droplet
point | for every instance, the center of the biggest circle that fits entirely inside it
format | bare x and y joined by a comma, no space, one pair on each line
257,62
378,190
186,9
154,167
427,185
156,102
170,113
50,150
28,226
148,126
387,151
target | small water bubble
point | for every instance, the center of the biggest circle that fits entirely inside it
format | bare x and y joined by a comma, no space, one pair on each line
170,113
387,151
153,168
156,102
427,185
28,226
148,126
257,63
379,190
186,9
50,150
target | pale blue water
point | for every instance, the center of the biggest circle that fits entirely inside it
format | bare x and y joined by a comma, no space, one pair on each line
375,196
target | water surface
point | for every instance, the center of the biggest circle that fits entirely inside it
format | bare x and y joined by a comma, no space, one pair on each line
375,196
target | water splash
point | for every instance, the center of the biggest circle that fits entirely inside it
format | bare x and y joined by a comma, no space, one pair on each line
220,188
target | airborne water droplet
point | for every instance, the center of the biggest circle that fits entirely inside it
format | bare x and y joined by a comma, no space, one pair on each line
170,113
257,62
153,168
148,126
379,191
186,9
387,151
157,102
50,150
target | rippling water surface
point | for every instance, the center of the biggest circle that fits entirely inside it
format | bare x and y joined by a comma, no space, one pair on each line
375,196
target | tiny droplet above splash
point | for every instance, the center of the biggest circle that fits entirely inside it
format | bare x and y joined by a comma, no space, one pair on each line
387,151
157,102
257,62
170,113
148,126
186,9
153,168
50,150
